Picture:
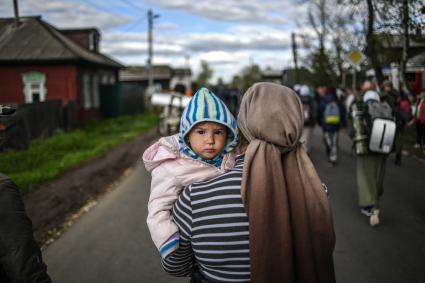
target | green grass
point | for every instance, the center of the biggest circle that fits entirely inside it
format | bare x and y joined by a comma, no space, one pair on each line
48,158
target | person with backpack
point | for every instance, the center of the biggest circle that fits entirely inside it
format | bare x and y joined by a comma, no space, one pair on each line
331,116
403,114
374,130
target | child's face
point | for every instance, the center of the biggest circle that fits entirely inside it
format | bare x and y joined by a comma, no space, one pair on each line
207,139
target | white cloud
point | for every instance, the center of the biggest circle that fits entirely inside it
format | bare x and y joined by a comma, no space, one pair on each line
221,57
238,38
225,10
166,26
227,52
64,14
259,31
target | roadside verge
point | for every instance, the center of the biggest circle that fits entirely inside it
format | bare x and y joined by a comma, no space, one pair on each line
54,206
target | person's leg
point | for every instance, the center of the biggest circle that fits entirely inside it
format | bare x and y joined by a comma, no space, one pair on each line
333,156
399,147
422,135
328,143
366,180
381,162
419,134
381,166
370,177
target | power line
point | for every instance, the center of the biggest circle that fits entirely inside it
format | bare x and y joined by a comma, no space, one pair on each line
130,4
90,3
151,17
135,23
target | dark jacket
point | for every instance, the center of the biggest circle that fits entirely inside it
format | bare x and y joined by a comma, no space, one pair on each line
395,100
324,101
20,256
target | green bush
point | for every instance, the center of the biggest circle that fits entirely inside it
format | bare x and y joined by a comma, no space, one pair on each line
47,158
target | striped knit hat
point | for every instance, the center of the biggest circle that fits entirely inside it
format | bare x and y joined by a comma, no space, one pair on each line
206,107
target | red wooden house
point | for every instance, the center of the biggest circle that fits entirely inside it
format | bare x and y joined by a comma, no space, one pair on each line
40,62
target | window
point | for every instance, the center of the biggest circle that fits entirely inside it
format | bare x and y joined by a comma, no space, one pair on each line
95,85
104,79
34,87
111,79
86,91
91,42
35,90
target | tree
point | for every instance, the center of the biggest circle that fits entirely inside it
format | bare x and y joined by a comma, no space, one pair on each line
250,75
390,18
318,17
406,18
371,50
205,75
322,68
345,36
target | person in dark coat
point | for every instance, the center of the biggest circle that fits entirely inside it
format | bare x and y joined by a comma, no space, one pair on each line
20,256
403,114
331,122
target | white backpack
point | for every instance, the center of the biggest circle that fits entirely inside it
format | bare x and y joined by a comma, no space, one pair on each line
382,127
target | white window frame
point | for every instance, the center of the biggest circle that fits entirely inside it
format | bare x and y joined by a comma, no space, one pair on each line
86,89
30,80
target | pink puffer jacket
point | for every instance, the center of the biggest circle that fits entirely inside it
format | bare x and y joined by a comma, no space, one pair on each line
171,172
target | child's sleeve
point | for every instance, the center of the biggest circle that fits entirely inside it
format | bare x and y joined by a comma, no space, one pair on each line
180,262
164,193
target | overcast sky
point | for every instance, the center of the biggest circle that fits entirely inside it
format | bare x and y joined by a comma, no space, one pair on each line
228,34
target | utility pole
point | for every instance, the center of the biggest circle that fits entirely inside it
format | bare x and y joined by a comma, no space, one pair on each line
16,10
151,17
295,55
188,79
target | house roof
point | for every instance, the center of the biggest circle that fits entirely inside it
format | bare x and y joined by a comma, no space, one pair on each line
272,73
417,61
37,41
396,41
72,30
182,71
140,73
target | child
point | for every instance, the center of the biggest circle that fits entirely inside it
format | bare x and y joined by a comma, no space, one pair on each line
202,150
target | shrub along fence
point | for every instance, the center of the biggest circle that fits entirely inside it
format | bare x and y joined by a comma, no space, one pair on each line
31,121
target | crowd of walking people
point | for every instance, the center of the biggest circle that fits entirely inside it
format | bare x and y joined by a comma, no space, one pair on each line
224,223
239,200
222,216
376,119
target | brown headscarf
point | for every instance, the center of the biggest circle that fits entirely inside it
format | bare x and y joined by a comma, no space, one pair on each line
291,231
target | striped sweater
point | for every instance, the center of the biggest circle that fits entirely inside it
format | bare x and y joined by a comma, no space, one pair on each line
214,230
